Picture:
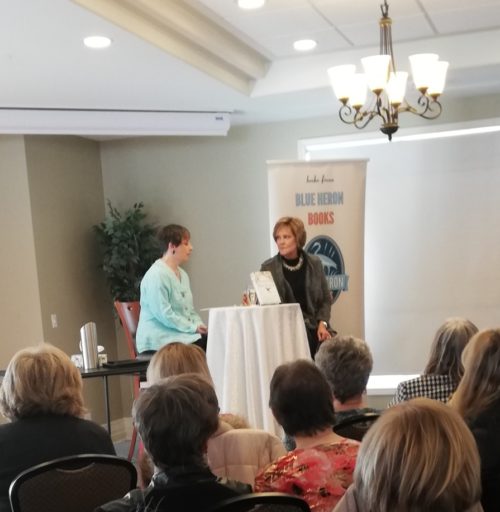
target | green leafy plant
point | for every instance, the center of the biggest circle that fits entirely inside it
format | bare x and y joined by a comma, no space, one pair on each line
129,247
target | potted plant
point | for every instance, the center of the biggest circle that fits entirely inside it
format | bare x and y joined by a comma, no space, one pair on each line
129,247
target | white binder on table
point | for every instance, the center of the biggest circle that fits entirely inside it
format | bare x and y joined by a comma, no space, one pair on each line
265,288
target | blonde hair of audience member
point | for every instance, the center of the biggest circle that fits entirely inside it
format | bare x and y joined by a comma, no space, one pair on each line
175,359
41,380
480,384
419,456
447,347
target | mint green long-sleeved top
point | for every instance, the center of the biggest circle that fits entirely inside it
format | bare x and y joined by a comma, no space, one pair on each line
167,311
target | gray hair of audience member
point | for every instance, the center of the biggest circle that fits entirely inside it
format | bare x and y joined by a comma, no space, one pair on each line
41,380
418,456
300,398
346,362
447,347
176,358
175,418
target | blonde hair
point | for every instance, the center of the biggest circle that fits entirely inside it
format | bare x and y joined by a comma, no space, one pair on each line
480,384
295,225
41,380
418,456
447,347
176,358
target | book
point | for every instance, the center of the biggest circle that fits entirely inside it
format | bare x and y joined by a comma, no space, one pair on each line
265,288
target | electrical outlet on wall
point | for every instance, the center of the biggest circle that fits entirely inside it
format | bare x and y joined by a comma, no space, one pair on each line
53,319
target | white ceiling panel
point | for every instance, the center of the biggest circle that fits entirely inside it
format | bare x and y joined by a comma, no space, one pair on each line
297,20
351,12
462,20
327,41
432,6
403,29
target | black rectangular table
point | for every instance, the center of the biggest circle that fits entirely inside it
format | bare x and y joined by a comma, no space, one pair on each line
138,368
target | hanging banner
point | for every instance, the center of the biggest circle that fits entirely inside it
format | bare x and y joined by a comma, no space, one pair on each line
329,197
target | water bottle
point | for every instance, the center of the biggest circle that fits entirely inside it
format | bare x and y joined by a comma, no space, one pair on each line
88,337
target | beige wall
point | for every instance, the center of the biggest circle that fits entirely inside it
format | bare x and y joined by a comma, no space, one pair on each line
66,201
20,313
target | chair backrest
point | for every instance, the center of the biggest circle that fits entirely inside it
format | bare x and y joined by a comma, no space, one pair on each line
262,502
79,483
129,316
356,426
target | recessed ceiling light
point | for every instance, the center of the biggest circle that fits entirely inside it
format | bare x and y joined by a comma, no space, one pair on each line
304,45
251,4
97,42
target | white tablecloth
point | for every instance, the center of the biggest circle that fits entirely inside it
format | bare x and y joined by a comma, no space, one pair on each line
245,345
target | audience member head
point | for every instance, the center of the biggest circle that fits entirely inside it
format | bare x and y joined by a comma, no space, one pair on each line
176,358
41,380
480,384
175,418
346,362
172,234
300,399
296,226
419,456
446,351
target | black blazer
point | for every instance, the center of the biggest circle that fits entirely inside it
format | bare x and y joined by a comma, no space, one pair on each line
318,297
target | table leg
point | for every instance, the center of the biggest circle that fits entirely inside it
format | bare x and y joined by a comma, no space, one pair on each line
106,402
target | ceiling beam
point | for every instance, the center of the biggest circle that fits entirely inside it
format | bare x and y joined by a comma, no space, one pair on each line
184,32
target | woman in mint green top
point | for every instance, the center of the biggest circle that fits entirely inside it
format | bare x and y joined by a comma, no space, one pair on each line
167,311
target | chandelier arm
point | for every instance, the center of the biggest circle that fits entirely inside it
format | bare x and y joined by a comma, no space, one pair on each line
429,108
355,117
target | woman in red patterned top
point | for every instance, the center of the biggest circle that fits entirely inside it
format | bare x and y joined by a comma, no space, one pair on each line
320,469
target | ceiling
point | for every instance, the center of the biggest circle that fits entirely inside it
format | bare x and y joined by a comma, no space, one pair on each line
210,56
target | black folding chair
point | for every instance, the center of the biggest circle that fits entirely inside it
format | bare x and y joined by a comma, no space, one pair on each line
262,502
355,427
78,484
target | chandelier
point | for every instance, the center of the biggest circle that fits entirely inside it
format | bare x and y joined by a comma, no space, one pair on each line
387,85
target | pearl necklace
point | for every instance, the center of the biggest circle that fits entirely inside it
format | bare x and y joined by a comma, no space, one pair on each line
294,268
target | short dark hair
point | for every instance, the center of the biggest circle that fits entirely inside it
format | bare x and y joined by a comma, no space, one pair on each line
300,398
172,234
175,418
346,362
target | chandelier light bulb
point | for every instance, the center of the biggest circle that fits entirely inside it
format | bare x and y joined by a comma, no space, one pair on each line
376,71
341,80
438,78
422,68
396,87
359,90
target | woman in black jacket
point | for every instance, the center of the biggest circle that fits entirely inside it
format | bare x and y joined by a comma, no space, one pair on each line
299,277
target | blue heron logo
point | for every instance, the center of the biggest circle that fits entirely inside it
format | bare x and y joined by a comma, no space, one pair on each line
331,257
